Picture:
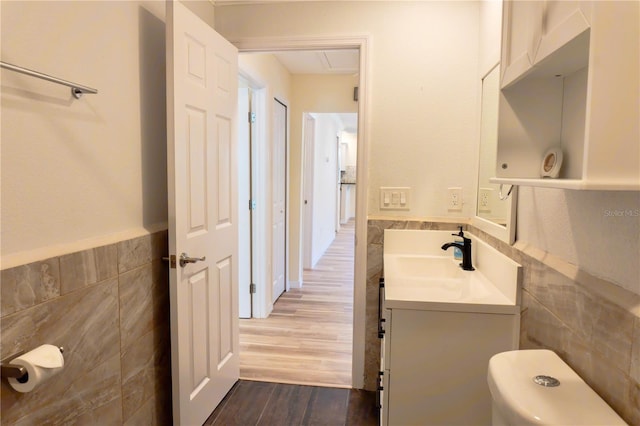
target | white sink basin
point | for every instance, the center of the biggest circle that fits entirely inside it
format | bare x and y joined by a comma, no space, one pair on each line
420,275
411,266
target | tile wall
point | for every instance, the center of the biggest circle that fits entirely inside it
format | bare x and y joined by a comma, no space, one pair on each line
109,308
592,324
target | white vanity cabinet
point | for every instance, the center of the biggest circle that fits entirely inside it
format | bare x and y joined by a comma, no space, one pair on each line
571,80
435,369
441,326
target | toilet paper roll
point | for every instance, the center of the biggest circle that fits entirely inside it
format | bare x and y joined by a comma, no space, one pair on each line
41,364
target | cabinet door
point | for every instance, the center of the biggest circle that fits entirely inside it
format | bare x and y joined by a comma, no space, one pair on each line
558,12
562,22
521,33
435,378
384,399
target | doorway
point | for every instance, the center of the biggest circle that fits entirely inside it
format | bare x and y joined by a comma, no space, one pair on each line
329,168
358,298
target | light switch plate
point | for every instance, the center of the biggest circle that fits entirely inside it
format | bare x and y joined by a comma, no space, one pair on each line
395,198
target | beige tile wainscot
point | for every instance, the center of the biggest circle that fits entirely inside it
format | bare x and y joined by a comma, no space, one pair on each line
108,307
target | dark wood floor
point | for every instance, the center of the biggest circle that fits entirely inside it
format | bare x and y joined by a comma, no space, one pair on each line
265,403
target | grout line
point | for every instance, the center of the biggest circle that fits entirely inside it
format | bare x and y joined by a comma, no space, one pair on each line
273,388
306,407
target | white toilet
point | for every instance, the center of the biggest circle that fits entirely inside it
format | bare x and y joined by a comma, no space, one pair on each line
535,387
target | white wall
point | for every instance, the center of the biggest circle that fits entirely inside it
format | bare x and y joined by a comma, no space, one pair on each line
489,37
598,231
423,86
351,148
423,134
265,69
75,172
325,184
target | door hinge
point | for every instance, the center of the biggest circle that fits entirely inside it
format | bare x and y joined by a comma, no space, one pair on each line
172,261
252,288
252,205
252,117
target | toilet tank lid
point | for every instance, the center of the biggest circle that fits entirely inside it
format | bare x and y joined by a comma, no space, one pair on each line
522,401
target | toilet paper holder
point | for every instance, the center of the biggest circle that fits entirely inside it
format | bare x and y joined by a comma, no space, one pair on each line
17,371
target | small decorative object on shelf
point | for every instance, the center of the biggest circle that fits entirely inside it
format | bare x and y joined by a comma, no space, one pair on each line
551,163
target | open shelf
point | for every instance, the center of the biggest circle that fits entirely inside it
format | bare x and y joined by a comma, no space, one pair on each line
580,95
569,184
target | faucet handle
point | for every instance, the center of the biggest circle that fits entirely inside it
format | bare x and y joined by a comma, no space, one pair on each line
460,233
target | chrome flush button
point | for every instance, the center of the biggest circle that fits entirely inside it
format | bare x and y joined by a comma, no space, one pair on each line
546,381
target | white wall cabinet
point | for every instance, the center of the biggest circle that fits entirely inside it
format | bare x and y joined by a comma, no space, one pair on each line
435,365
571,80
522,28
562,21
533,30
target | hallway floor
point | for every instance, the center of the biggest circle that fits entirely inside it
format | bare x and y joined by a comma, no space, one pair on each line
307,339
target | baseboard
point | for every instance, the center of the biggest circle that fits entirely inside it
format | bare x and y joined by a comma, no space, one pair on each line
295,284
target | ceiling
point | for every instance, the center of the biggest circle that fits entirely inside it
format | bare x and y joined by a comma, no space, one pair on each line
344,61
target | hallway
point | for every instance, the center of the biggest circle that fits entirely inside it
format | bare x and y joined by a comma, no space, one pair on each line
307,339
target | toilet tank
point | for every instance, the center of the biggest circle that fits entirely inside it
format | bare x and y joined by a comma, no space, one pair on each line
535,387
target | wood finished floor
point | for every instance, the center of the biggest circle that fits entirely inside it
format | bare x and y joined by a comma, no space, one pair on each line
307,338
262,403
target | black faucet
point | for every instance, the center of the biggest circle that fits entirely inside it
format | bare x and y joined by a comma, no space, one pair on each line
465,247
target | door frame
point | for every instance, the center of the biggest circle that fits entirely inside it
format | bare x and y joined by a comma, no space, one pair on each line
363,43
285,104
308,140
244,194
338,181
260,306
261,274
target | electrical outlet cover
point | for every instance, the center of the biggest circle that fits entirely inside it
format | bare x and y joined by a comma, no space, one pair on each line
484,199
455,199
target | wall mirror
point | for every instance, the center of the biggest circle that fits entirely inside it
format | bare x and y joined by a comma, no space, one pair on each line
495,206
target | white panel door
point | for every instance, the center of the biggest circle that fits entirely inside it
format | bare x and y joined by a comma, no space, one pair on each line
202,70
278,200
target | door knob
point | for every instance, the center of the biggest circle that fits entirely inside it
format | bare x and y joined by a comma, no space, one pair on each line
184,259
